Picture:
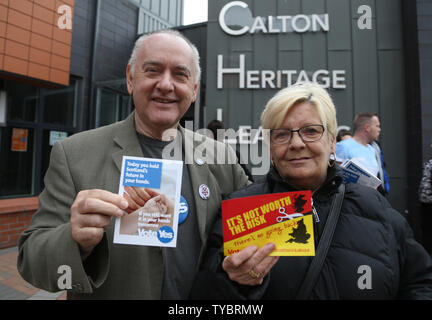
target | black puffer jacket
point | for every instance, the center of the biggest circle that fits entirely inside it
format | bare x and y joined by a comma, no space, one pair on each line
373,254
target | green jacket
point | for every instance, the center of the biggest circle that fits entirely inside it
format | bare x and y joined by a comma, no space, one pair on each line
90,160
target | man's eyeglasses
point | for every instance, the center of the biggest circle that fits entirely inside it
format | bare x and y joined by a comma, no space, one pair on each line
307,134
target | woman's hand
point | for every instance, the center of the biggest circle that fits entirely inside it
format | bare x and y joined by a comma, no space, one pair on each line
250,265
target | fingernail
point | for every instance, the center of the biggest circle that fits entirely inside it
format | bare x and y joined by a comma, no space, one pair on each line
124,204
271,245
120,213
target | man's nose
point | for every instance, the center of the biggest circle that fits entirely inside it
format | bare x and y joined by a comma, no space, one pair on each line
165,82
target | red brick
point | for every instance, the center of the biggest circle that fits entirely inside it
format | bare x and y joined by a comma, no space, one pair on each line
17,50
38,71
40,42
8,232
49,4
3,12
4,226
16,226
39,56
26,217
42,28
8,218
17,34
43,14
24,6
19,19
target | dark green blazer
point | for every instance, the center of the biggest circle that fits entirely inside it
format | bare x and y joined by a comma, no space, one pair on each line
92,159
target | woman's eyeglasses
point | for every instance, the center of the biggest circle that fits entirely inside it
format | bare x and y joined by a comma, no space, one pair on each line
309,133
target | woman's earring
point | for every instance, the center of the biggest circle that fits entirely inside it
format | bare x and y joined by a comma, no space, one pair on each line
332,163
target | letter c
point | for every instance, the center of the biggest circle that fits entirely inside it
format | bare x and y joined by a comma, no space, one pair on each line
222,18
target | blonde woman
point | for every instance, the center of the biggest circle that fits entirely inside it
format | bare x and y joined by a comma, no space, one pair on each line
372,253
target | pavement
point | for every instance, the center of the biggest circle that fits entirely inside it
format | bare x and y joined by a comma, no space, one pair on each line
14,287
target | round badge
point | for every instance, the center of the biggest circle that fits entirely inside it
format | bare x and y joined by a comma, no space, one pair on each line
204,191
199,161
165,234
183,210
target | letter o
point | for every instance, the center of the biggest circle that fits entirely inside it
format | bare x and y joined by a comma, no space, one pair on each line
294,23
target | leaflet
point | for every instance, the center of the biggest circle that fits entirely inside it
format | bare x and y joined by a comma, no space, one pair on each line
282,218
354,172
153,186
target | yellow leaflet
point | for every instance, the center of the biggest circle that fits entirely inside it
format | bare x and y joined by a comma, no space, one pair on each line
292,238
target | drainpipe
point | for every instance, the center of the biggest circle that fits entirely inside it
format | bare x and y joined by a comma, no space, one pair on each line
92,76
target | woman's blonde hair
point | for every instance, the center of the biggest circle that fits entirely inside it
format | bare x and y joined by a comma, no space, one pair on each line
278,106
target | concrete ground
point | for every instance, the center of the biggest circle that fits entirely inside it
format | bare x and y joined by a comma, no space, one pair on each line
14,287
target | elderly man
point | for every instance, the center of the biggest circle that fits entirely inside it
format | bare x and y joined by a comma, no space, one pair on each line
75,222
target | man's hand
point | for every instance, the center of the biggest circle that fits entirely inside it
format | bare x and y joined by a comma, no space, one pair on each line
250,265
91,214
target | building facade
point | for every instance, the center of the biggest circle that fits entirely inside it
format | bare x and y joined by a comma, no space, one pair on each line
60,62
372,55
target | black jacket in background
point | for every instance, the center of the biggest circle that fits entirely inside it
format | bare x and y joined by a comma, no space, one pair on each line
370,235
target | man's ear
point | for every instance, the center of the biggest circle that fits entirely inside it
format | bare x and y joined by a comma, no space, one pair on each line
129,79
195,91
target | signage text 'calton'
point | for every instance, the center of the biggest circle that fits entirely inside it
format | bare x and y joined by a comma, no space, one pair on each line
279,24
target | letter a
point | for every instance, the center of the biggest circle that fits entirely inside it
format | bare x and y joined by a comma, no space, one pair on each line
365,281
65,20
65,280
364,21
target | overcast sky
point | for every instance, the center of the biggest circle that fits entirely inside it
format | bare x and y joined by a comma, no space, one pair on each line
195,11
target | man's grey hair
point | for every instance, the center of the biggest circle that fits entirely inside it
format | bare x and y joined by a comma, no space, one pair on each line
139,42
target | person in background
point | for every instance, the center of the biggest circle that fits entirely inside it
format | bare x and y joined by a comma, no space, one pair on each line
343,134
425,197
216,125
368,231
74,224
385,179
367,129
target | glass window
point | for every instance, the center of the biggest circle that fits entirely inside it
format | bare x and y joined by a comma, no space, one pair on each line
59,105
49,137
22,101
35,116
107,107
16,161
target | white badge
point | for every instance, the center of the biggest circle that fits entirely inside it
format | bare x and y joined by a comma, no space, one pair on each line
204,191
199,161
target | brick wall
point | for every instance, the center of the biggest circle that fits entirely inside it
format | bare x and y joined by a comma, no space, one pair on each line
31,42
15,216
